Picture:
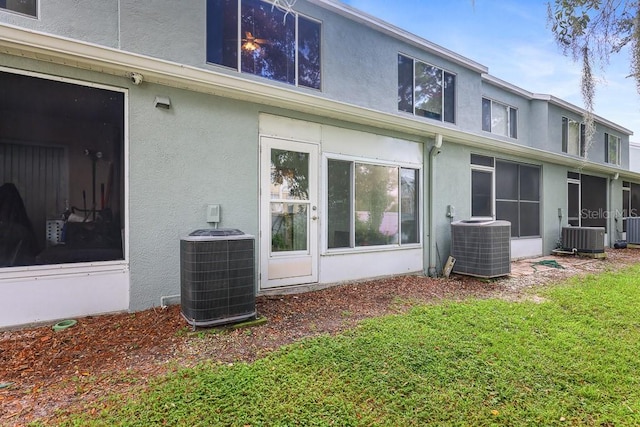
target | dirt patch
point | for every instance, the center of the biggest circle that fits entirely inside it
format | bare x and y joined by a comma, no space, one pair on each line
43,371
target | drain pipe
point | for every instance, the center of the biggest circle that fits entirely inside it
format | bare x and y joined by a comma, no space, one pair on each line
433,152
612,219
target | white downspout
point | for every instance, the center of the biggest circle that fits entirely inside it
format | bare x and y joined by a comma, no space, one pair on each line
612,219
433,152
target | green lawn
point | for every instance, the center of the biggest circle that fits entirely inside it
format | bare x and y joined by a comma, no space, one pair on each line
571,360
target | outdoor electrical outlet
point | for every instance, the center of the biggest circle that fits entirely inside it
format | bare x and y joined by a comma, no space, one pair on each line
451,211
213,213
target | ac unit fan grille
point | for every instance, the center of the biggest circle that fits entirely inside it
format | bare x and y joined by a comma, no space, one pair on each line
217,280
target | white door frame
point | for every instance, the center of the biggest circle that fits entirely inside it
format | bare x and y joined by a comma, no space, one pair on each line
293,267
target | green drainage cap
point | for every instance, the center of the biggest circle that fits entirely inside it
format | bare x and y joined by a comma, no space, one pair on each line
64,324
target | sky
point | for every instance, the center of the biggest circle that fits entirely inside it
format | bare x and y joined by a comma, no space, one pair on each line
512,39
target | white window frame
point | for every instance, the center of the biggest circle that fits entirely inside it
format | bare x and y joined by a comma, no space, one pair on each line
413,82
84,268
575,181
488,169
374,162
509,109
297,15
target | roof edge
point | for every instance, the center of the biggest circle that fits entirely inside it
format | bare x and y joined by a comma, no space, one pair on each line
398,33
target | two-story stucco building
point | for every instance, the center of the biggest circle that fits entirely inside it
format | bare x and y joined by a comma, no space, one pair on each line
345,145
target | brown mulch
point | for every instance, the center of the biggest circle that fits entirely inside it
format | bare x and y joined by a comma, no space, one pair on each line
42,371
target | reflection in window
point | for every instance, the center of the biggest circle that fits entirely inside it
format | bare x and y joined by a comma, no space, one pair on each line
425,90
370,205
339,204
428,91
409,205
376,205
266,40
288,227
289,182
499,118
289,175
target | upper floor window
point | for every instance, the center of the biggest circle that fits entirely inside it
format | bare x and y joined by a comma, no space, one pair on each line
426,90
26,7
573,137
499,118
611,149
254,37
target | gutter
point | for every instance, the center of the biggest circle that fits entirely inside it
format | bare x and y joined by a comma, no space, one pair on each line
47,48
433,152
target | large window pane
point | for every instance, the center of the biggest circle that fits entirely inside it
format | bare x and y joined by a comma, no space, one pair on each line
513,123
289,227
376,205
499,119
565,135
268,41
573,211
529,219
529,183
449,98
593,204
405,84
308,53
506,180
508,211
481,193
27,7
573,139
428,91
339,204
61,201
517,197
222,32
613,147
635,200
409,224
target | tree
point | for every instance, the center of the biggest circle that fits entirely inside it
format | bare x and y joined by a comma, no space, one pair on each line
590,31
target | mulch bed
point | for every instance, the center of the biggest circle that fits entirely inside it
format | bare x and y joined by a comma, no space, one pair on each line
43,371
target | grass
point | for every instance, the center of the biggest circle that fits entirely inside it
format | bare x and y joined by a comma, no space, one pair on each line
571,360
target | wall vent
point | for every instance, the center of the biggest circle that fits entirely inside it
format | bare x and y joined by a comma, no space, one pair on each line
481,248
217,277
583,239
633,230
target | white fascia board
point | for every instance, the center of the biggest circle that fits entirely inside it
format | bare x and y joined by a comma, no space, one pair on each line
44,47
499,83
566,105
381,26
